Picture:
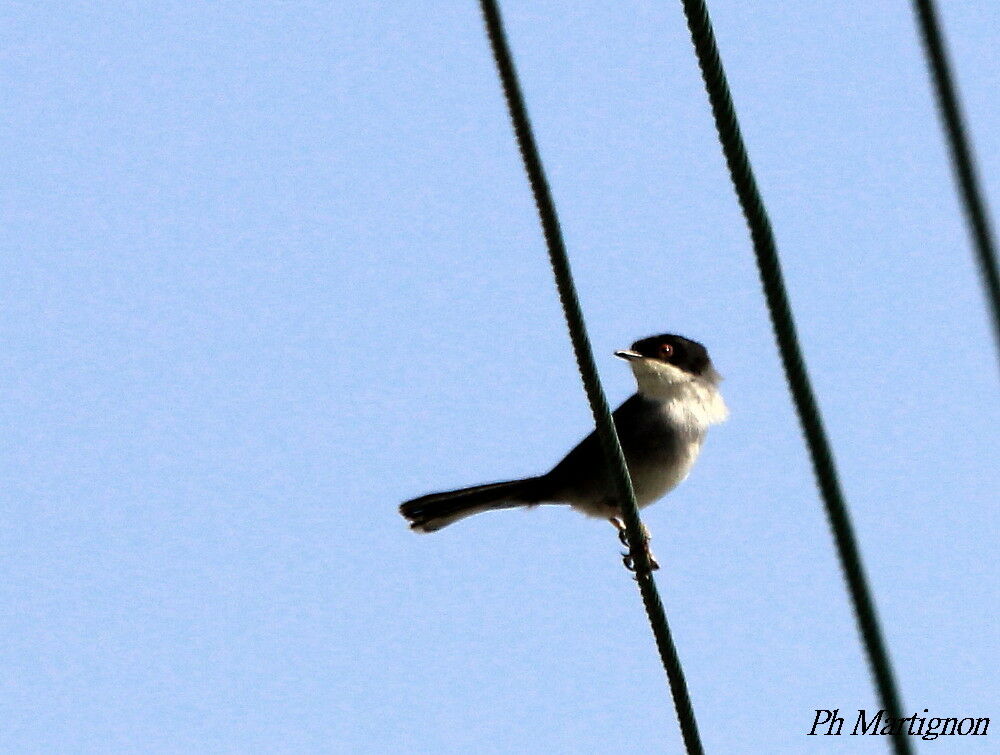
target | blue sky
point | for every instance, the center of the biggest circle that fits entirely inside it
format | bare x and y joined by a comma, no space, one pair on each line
273,268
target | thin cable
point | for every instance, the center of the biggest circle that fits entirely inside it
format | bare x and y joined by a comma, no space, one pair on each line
588,371
795,371
961,156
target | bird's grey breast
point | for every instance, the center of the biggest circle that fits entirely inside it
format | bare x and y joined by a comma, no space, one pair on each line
659,450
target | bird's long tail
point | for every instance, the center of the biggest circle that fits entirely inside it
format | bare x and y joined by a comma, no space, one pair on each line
432,512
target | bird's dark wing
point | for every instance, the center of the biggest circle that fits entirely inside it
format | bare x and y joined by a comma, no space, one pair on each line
583,471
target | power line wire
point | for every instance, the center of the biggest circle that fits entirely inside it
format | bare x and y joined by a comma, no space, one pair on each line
779,308
961,156
588,371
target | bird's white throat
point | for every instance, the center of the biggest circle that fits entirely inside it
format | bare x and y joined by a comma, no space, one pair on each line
690,401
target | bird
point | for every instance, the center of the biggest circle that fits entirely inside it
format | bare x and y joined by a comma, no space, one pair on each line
661,428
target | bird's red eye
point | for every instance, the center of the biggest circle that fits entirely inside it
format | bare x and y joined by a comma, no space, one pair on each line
666,350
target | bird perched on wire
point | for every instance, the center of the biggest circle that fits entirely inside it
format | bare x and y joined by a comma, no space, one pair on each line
661,429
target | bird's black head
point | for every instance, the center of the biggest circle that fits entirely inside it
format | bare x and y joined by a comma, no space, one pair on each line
679,351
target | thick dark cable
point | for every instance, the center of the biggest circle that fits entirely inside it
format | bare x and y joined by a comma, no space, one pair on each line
588,371
961,156
791,356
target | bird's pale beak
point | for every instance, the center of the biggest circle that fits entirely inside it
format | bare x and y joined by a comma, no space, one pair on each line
628,355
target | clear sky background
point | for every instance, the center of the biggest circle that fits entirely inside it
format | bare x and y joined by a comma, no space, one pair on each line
271,268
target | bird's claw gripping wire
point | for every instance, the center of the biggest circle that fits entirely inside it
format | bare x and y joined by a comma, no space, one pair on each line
629,562
627,559
622,533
